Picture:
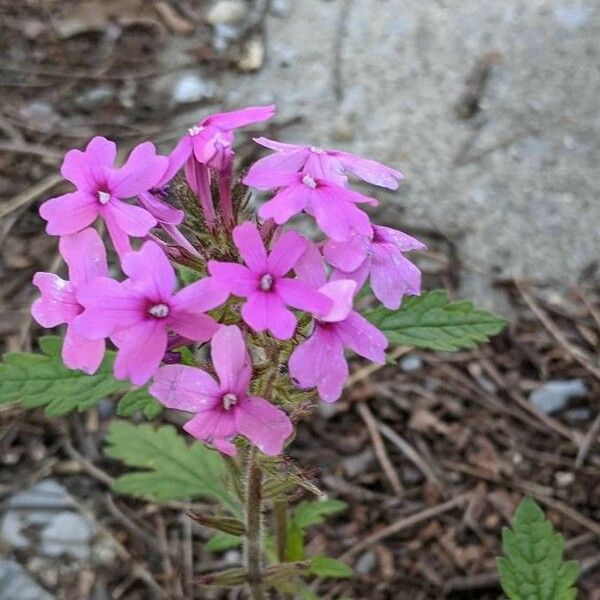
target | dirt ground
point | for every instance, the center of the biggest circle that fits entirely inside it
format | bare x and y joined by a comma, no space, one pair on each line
432,454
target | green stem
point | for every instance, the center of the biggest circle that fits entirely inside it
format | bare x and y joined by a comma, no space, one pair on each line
281,526
253,528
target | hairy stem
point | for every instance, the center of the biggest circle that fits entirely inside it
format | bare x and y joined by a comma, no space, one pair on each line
281,525
253,527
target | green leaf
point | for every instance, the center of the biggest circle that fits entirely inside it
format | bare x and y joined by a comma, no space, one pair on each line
172,468
533,567
309,513
37,380
432,321
139,400
295,542
223,541
323,566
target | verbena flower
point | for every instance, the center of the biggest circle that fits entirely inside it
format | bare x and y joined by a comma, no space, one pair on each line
224,408
211,140
85,256
101,189
139,312
381,257
332,206
331,165
319,361
263,282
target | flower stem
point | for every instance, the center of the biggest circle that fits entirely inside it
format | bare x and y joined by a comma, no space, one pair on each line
281,525
253,528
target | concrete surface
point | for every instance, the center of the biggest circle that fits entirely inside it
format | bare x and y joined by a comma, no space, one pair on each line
527,201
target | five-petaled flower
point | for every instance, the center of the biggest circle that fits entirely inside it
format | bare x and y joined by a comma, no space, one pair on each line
381,257
332,205
264,283
101,189
85,256
319,361
224,408
331,165
138,313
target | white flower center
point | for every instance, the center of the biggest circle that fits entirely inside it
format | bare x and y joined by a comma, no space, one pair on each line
159,310
316,150
195,130
266,282
309,182
229,400
103,197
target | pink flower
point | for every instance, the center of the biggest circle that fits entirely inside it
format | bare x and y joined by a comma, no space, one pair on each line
139,312
85,256
211,141
319,361
331,165
332,206
224,408
101,189
392,274
264,283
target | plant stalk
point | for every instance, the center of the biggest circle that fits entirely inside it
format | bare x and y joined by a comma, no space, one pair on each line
280,510
253,528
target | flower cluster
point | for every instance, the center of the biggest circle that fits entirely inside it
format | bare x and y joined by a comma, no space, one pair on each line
259,290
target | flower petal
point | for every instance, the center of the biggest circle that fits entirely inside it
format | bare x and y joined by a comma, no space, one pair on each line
230,357
177,158
362,337
401,240
252,249
240,118
100,156
319,362
161,211
150,270
69,213
279,146
118,237
276,170
265,425
216,427
133,220
300,294
141,172
368,170
265,310
286,203
233,278
338,218
57,304
286,252
393,276
80,353
141,351
200,296
109,306
185,388
311,268
192,325
341,293
85,255
349,255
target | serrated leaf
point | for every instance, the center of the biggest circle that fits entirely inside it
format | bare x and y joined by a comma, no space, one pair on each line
309,513
432,321
533,567
172,468
323,566
223,541
37,380
139,400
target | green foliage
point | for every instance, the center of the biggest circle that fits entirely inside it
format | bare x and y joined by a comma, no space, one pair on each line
533,567
222,541
172,469
37,380
139,400
432,321
314,513
323,566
